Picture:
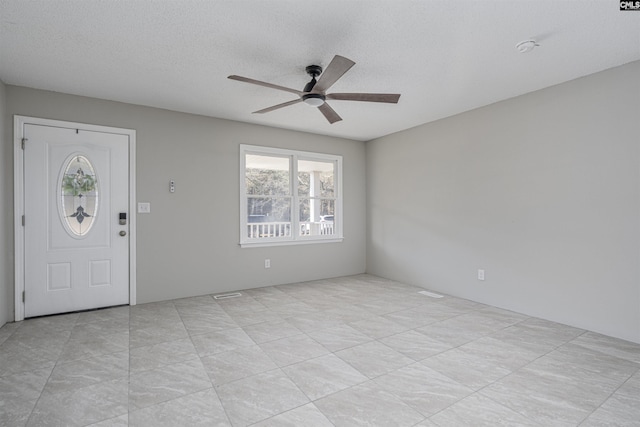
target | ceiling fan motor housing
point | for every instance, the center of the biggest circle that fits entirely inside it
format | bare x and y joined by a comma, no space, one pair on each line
313,99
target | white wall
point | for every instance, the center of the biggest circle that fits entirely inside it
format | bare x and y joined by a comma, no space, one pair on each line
542,191
188,245
6,212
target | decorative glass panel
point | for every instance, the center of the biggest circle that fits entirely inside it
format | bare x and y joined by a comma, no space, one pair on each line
79,195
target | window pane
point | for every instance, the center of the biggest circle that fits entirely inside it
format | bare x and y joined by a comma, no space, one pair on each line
267,175
268,217
317,217
263,209
316,178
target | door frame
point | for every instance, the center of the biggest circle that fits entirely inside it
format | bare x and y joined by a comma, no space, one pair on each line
18,200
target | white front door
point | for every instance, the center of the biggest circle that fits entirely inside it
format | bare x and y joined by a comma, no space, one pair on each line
76,228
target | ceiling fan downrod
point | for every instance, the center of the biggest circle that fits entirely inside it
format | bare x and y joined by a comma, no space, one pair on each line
313,99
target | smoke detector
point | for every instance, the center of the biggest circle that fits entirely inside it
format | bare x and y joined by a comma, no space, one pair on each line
526,46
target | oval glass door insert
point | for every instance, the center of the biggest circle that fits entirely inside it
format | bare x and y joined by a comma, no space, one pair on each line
79,195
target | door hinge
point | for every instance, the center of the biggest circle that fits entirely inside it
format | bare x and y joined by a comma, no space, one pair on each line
24,140
23,296
23,220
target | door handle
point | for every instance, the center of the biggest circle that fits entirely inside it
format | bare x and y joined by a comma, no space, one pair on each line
123,233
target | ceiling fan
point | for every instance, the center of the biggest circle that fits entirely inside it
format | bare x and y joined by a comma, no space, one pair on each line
314,92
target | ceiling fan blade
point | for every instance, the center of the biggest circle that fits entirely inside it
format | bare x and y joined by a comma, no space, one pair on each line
336,69
276,107
329,113
391,98
265,84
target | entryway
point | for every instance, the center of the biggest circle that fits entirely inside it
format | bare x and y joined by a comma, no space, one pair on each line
75,228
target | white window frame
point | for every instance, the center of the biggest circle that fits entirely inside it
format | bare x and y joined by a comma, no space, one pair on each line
295,238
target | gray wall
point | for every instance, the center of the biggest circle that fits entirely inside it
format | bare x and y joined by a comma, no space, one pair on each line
542,191
188,245
6,212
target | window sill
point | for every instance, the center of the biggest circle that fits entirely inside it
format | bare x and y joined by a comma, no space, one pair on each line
290,242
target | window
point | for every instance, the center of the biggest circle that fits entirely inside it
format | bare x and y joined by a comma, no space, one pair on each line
78,195
289,196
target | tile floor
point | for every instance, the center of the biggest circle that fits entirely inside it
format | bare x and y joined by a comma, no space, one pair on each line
350,351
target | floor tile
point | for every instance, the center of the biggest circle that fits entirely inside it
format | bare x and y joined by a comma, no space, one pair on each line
457,330
158,355
202,323
378,327
275,300
81,406
424,389
548,398
259,397
156,334
290,350
306,415
323,375
197,409
537,335
247,318
271,331
240,304
81,373
298,308
585,366
8,329
47,325
416,317
385,306
415,345
21,358
477,410
236,364
121,421
221,341
159,385
367,405
468,367
618,410
99,328
101,314
374,359
92,346
339,337
19,394
314,321
609,345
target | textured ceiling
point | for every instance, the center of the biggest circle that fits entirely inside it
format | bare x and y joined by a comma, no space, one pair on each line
443,56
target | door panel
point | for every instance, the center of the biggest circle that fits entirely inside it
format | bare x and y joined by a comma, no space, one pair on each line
75,187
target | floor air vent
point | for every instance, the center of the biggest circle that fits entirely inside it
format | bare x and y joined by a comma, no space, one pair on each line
430,294
225,296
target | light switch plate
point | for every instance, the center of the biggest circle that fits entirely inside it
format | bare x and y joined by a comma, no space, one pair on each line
144,207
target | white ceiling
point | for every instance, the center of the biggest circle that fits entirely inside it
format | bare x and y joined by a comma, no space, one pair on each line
443,56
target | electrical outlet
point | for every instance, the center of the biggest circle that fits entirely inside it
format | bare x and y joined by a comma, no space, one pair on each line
267,263
480,274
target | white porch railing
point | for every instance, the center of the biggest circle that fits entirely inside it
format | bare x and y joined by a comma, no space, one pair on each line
261,230
323,228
